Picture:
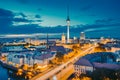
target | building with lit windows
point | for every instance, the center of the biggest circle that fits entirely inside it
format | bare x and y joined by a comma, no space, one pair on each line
82,36
82,66
91,62
63,39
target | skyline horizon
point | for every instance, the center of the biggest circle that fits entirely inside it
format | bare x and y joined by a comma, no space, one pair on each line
54,36
95,18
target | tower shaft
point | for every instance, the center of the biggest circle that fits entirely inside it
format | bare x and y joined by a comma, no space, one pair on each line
68,31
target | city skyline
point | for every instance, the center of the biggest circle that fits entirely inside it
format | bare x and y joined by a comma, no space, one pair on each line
59,39
92,17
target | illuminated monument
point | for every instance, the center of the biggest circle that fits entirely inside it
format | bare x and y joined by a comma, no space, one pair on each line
63,39
68,25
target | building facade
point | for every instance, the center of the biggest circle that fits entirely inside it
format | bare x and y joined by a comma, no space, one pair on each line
83,66
82,36
63,39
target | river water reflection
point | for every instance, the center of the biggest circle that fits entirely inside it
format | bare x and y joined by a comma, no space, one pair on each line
4,75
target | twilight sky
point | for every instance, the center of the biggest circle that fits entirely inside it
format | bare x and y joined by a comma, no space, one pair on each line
95,17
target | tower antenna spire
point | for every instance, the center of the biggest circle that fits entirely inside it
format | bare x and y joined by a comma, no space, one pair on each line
68,23
68,14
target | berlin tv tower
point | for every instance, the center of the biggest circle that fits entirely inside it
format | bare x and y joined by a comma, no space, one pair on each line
68,25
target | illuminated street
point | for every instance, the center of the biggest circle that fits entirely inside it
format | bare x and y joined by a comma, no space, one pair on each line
62,66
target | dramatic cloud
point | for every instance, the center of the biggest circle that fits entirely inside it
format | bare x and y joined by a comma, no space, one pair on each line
20,20
6,18
95,17
11,22
19,23
6,13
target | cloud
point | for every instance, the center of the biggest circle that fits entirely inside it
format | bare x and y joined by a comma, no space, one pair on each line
100,25
103,25
103,21
108,22
10,21
6,13
98,29
6,18
23,15
37,16
20,23
20,20
20,15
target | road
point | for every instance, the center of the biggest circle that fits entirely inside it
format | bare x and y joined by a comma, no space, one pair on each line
62,66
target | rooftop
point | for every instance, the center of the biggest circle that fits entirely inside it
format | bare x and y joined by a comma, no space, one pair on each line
58,49
115,44
106,65
43,56
83,62
91,60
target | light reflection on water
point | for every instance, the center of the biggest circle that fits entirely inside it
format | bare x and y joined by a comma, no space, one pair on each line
4,75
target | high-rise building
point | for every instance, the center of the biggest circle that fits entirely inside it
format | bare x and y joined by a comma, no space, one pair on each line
75,40
82,36
68,25
63,39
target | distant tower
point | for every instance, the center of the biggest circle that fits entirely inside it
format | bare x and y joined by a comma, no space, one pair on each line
68,25
82,36
63,39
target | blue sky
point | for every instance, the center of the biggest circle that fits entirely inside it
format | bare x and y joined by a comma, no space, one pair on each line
100,17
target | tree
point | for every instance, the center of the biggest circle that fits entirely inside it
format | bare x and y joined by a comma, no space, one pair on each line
100,49
35,66
60,56
24,67
117,73
50,62
104,74
74,47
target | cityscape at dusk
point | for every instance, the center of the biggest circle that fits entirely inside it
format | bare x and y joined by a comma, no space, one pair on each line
59,39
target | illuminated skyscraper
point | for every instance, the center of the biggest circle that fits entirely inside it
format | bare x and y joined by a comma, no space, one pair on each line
82,36
68,25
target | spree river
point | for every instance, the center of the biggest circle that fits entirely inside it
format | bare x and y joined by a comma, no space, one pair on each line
4,75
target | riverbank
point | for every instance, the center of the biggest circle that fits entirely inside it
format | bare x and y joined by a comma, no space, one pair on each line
6,71
8,66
